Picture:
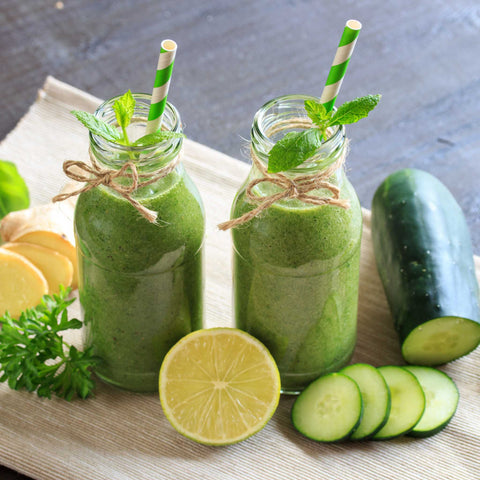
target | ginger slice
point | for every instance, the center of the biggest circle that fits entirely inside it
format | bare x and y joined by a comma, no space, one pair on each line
22,284
56,268
56,242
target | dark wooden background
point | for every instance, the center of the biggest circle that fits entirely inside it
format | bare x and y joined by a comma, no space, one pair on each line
233,56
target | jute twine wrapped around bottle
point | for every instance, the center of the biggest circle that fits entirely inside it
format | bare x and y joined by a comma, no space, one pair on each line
93,175
297,187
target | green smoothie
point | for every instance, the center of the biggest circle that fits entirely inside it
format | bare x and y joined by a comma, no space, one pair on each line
140,284
296,285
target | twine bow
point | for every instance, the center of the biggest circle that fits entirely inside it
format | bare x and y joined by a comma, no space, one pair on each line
298,187
93,175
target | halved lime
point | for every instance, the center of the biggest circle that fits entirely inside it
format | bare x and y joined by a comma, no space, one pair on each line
219,386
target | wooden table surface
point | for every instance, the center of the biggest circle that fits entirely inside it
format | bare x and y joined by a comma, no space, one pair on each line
234,56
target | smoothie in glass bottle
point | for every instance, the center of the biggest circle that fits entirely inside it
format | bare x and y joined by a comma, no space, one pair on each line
140,283
296,264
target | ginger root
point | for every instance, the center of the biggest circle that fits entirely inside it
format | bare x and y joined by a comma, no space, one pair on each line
49,226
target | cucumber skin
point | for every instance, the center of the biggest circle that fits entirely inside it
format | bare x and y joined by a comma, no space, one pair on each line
424,255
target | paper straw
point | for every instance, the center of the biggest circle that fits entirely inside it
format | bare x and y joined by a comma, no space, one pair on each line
160,87
340,63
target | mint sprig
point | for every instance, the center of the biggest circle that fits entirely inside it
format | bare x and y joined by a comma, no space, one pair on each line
297,147
124,108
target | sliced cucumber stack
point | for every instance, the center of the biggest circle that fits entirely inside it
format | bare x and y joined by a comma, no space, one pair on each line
408,402
441,396
375,396
329,409
362,402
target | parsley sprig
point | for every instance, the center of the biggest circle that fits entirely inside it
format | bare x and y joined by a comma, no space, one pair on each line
34,356
297,147
124,108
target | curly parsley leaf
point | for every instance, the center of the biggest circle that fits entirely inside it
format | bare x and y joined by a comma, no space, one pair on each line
34,356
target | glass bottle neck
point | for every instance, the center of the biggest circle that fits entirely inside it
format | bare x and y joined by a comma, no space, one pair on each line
287,114
146,159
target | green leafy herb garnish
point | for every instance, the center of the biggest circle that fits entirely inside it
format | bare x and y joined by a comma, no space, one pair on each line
297,147
98,127
156,137
292,147
124,108
34,356
13,190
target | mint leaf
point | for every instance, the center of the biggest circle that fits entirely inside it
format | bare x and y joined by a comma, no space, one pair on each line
293,149
156,137
98,127
351,112
124,108
317,112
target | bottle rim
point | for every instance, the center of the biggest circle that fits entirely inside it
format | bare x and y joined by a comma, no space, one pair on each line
151,157
292,105
171,120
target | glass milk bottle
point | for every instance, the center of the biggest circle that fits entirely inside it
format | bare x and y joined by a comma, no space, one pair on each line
140,283
296,264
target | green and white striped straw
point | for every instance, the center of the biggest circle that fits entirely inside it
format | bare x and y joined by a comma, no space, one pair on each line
340,63
161,85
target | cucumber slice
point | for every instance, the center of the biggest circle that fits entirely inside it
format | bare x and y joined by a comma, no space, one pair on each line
329,409
440,340
407,402
375,397
441,396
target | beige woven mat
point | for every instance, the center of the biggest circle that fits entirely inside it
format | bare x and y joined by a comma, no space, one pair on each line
119,435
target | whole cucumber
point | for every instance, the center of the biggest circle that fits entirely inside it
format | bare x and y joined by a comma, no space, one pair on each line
424,257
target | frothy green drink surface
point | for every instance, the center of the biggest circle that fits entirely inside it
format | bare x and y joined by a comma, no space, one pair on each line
296,269
140,284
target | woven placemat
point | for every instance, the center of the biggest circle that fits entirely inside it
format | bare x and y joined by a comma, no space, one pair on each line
119,435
